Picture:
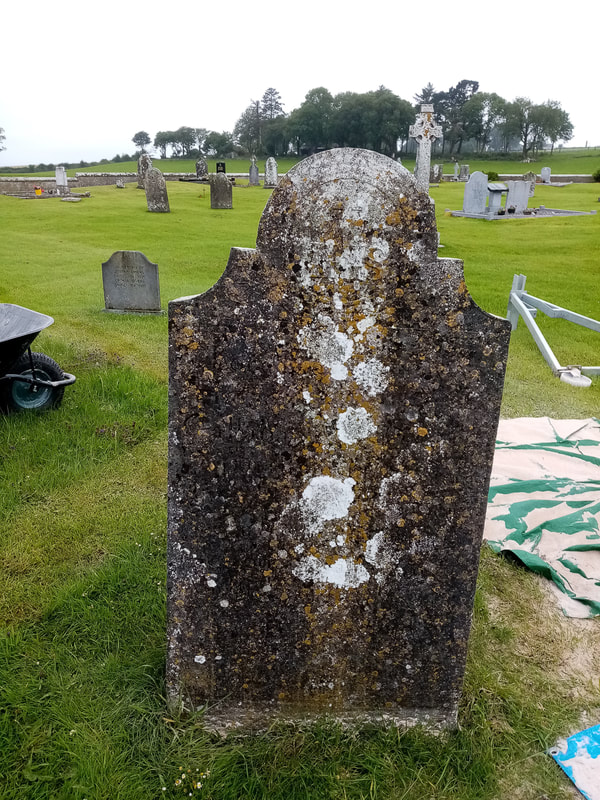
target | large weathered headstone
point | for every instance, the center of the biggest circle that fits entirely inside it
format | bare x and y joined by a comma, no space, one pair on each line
253,174
270,173
130,283
156,192
518,196
425,131
201,169
333,409
144,164
546,174
62,182
221,191
476,194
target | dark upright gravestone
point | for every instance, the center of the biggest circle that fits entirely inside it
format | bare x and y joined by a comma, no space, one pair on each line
333,408
221,191
221,166
130,283
156,192
144,164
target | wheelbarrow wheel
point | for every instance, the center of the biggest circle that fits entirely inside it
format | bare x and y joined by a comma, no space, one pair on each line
21,396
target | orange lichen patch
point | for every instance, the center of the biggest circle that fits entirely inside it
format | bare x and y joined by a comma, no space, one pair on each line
422,431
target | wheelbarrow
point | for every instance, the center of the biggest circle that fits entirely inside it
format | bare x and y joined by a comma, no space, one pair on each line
27,380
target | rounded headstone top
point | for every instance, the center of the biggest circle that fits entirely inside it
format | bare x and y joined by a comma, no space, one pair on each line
340,193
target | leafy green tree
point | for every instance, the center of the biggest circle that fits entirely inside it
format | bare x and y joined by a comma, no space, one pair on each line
271,106
448,108
310,124
161,140
482,112
426,95
557,125
247,130
141,140
219,144
519,121
389,120
185,138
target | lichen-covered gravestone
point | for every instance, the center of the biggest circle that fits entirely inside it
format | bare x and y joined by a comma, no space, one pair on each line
156,192
333,409
221,191
201,169
130,283
144,164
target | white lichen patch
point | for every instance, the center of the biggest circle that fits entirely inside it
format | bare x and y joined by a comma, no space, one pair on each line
324,499
337,302
328,345
371,376
343,573
355,424
200,659
306,396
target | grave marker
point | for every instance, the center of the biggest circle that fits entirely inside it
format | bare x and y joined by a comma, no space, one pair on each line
201,169
156,192
425,131
546,174
62,183
221,191
464,172
253,173
333,408
270,173
476,194
144,164
130,283
518,195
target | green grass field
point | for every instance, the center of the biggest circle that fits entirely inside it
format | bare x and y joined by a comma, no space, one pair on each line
83,511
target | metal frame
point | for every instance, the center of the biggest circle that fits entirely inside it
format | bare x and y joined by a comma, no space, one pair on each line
522,304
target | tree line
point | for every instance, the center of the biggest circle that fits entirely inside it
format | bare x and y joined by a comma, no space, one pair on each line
377,120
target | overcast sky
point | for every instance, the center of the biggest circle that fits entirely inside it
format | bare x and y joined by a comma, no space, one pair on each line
79,79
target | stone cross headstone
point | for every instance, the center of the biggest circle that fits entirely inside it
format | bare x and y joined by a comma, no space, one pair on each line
62,182
144,164
130,283
425,131
518,195
270,173
156,191
464,172
253,174
201,169
546,175
530,178
333,408
476,193
221,191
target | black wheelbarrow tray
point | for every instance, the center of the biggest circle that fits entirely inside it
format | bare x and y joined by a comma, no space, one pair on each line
27,380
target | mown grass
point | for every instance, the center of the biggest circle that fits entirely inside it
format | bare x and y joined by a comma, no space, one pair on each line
82,551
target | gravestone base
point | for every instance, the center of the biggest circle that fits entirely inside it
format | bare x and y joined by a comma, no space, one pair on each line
136,312
258,720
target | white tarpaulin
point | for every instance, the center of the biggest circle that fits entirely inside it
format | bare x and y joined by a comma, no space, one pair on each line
544,504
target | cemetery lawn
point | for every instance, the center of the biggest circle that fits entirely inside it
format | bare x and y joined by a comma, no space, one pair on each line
83,521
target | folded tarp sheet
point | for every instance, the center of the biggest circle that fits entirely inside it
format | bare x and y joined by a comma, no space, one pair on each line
579,756
544,504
